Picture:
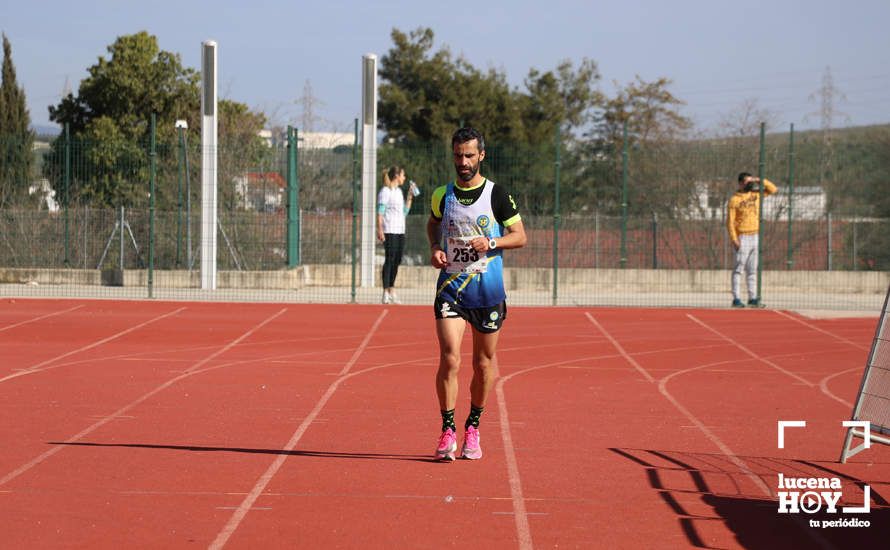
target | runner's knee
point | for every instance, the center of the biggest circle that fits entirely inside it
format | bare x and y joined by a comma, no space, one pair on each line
449,362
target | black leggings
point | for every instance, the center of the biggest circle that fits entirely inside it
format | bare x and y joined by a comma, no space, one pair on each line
393,246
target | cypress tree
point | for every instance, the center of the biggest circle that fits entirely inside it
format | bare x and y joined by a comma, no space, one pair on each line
16,137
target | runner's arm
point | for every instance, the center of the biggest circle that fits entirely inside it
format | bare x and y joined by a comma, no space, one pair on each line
438,258
513,237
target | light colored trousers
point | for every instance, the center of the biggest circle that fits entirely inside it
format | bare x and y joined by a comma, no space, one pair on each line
745,261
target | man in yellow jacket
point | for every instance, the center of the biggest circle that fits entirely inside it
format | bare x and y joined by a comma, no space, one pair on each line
743,223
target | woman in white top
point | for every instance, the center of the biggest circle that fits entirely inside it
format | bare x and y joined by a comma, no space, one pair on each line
392,207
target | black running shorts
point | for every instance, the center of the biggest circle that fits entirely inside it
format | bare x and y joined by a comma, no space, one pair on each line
483,319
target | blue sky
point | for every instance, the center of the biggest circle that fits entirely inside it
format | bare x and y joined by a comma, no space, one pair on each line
718,54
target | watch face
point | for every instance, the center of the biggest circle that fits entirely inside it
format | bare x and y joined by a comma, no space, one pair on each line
491,244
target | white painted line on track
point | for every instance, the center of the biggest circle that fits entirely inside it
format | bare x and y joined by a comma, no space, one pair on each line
522,526
521,514
822,330
523,531
725,449
48,315
823,385
730,454
120,412
749,352
46,365
235,520
620,349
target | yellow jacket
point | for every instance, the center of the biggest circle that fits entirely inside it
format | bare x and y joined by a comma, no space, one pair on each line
743,211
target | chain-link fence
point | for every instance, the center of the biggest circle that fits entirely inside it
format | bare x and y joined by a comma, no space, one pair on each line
619,224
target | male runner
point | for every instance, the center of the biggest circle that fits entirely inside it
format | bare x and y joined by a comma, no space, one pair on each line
471,221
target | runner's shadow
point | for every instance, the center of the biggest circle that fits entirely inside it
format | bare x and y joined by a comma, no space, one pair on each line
295,452
710,494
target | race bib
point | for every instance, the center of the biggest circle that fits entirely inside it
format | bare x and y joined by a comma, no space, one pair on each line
463,258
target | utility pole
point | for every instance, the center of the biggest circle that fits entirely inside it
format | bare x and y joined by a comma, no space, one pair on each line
309,103
827,95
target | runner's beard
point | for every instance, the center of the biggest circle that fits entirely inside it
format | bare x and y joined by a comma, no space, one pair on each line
469,174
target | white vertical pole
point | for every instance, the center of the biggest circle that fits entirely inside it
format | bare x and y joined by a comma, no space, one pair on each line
208,164
369,167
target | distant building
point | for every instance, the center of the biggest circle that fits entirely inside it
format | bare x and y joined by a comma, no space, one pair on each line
310,140
262,191
45,193
809,203
326,140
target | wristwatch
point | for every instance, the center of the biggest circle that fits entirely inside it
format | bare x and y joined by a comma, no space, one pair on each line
492,244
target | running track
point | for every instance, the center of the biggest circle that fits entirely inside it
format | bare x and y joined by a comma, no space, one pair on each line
180,425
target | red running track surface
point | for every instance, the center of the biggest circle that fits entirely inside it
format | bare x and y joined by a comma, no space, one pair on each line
180,425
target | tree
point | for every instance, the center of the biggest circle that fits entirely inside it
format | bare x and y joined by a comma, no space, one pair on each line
422,93
137,79
745,120
425,95
109,119
109,122
873,166
653,120
565,97
241,149
16,137
650,110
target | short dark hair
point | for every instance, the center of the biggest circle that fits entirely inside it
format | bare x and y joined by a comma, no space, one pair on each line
465,134
744,175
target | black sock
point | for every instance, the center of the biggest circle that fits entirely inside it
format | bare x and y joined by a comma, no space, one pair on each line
473,418
448,420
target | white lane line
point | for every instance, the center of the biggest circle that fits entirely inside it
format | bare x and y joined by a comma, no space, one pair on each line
361,348
620,348
520,513
35,319
728,452
120,412
42,366
238,516
823,331
662,388
523,532
749,352
823,385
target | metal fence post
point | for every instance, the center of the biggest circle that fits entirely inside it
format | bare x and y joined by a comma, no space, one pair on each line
292,254
151,206
596,238
854,264
828,252
760,174
67,182
121,224
556,220
790,261
298,227
623,260
179,177
355,186
188,203
654,240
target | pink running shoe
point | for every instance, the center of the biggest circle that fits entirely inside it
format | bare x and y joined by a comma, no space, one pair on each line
471,449
447,445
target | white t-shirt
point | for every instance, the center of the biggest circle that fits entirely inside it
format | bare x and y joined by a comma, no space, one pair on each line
391,201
